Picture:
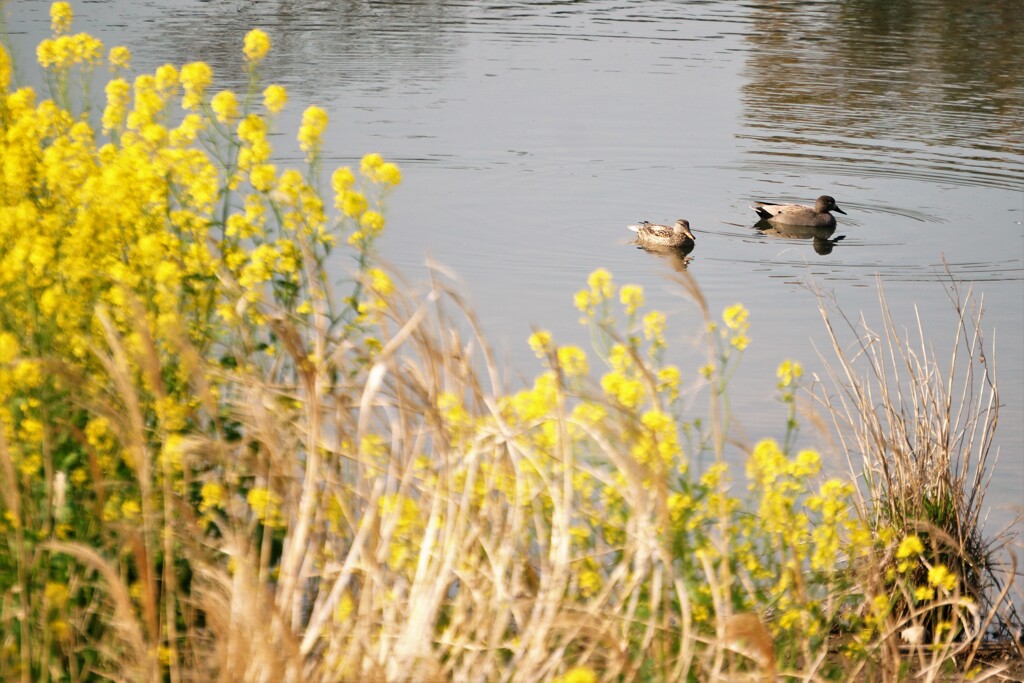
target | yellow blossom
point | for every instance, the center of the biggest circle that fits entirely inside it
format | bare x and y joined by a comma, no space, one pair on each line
342,180
212,496
314,122
577,674
601,287
257,45
573,361
8,347
540,342
166,79
370,163
939,576
654,327
195,77
262,177
353,204
372,222
380,282
274,98
910,546
225,106
582,301
632,298
5,69
788,372
740,341
119,57
735,317
389,174
61,15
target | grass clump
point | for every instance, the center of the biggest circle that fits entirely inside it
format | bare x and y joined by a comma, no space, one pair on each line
220,463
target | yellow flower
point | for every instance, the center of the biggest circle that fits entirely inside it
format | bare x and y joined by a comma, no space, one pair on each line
370,163
668,379
274,98
735,317
372,222
262,177
577,674
166,79
740,341
257,45
389,174
195,78
380,282
632,298
910,546
131,510
55,594
573,361
540,342
8,347
266,505
314,122
61,15
119,57
940,577
225,106
213,496
342,180
788,372
601,287
5,69
654,327
582,301
353,204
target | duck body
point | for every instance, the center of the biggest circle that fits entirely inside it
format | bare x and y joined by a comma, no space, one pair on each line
651,235
816,216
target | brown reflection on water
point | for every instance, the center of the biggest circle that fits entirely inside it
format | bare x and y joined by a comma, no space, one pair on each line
822,239
678,258
890,85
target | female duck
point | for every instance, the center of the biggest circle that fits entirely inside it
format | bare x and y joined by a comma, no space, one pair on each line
677,236
817,216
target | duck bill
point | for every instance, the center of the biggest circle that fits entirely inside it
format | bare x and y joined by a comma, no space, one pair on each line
836,208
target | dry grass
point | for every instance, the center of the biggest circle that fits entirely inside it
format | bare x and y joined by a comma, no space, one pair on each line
918,434
398,538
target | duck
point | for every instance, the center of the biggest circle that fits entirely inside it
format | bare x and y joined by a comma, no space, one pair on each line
817,216
651,235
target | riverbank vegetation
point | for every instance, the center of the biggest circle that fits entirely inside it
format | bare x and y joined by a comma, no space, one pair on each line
233,449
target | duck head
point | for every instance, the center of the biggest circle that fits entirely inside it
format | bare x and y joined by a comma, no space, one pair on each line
683,226
825,204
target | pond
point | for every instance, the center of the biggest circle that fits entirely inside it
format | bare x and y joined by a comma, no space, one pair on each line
532,133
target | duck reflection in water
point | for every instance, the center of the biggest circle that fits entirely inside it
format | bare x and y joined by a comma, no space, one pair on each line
821,236
672,242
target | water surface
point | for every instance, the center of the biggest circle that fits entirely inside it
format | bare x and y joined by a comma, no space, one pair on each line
531,133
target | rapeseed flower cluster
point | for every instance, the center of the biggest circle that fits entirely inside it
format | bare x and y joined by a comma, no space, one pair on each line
128,244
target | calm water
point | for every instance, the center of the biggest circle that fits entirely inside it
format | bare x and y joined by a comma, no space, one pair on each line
531,133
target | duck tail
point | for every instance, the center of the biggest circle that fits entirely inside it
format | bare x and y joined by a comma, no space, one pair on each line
635,227
759,210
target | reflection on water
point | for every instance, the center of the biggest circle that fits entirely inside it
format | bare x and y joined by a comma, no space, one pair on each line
921,89
821,237
678,258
